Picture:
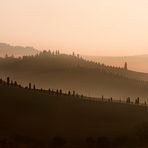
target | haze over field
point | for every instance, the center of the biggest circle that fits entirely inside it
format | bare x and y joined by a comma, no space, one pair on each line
98,27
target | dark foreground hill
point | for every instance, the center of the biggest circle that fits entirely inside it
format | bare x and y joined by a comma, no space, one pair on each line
37,118
71,72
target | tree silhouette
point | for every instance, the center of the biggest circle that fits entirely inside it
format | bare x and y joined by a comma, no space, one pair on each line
49,52
29,85
60,91
137,101
49,90
69,93
1,81
34,87
128,100
8,80
125,66
73,54
58,52
57,92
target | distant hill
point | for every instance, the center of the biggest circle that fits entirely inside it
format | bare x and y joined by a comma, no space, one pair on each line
71,72
135,63
6,49
41,119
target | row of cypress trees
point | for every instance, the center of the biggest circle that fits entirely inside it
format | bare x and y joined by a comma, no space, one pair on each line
59,92
33,87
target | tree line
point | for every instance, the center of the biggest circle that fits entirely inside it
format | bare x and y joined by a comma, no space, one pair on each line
50,91
59,92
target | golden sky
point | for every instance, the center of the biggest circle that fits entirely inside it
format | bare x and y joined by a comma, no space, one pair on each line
95,27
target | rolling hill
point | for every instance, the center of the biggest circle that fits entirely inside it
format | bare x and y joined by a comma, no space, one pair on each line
40,118
71,72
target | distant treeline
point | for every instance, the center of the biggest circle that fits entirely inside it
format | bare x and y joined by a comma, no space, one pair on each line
77,61
48,59
56,60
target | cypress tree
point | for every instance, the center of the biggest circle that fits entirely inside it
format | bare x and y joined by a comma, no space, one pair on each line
125,66
49,90
128,100
8,80
57,92
34,87
29,85
60,91
1,81
69,93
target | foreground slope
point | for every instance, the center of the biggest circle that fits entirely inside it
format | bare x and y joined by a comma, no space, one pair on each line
36,114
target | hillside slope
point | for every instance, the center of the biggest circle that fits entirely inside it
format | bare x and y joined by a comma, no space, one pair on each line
73,73
38,115
135,63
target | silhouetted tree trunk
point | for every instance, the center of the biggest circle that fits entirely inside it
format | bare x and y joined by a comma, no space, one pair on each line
29,85
34,87
8,80
1,81
60,92
49,90
128,100
69,93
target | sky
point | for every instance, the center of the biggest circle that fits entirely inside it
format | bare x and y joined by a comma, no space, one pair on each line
88,27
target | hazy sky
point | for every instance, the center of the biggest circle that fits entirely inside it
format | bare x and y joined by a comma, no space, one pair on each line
96,27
